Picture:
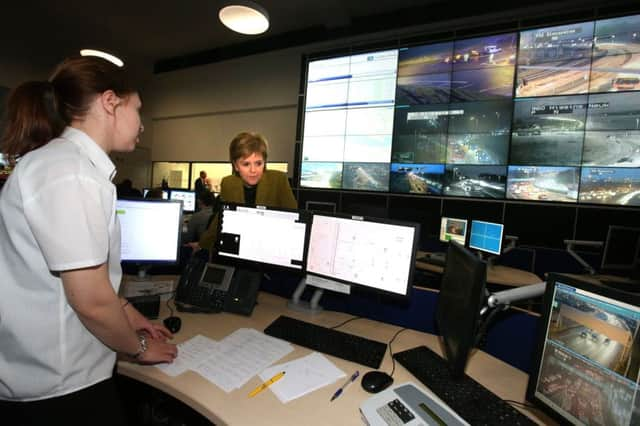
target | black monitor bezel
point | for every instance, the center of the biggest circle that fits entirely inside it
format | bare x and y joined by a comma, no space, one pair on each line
179,241
466,332
416,238
587,284
254,264
617,266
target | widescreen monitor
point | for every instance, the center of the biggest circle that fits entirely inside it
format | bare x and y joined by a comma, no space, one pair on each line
459,303
369,252
268,236
621,248
188,199
452,229
585,365
486,236
150,230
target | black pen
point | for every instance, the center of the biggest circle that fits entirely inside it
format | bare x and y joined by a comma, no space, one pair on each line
350,380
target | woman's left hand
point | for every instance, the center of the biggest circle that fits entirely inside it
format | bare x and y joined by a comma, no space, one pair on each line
140,323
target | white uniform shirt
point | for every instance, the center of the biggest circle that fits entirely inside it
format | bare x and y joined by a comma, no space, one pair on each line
57,213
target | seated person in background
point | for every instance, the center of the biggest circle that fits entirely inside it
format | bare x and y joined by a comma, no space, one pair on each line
251,182
154,194
125,189
200,219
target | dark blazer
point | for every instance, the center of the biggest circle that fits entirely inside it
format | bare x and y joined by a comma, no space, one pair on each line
273,191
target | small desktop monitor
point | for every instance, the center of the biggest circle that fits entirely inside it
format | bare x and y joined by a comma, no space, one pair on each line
621,249
188,199
453,229
585,364
165,193
486,236
150,230
461,298
271,237
368,252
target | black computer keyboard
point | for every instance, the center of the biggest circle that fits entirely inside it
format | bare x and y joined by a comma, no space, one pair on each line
333,342
472,401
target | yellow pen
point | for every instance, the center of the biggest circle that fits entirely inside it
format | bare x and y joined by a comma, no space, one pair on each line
266,384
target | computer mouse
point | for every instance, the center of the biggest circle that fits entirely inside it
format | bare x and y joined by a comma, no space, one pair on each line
376,381
173,324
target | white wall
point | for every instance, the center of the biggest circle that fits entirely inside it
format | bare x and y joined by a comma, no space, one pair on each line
197,111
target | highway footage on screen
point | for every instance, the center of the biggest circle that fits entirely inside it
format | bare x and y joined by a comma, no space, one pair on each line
548,114
591,349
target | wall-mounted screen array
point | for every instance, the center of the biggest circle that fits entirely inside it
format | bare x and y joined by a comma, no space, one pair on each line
549,114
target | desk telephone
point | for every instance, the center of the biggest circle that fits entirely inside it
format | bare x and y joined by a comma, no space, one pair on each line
209,287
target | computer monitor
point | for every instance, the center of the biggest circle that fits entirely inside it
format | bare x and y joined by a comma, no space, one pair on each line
165,193
486,236
621,248
460,300
453,229
585,367
150,231
269,236
368,252
188,199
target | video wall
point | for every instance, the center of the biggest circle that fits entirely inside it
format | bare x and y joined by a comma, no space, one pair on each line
549,114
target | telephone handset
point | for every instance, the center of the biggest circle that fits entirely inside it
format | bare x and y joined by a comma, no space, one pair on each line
210,287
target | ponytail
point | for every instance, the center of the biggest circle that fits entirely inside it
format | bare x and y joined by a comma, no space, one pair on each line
39,111
32,119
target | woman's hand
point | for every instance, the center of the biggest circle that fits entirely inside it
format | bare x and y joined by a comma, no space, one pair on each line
158,351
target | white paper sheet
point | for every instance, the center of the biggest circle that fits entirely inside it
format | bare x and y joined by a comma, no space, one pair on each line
302,375
191,353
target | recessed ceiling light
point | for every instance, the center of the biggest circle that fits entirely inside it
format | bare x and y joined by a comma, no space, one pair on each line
245,17
104,55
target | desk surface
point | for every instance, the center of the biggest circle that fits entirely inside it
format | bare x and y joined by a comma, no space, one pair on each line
236,408
496,274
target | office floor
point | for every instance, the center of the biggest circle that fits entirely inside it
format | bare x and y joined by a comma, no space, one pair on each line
147,406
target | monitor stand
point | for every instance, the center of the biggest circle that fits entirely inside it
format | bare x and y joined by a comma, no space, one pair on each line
312,306
142,274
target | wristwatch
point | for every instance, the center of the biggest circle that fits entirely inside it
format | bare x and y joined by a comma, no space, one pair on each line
143,346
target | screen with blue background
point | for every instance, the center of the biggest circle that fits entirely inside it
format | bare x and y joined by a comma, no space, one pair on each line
486,236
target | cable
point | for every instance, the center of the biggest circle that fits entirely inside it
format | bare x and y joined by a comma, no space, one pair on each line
393,361
345,322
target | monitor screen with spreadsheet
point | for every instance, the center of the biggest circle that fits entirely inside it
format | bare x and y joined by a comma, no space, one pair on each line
150,230
486,236
368,252
587,356
272,237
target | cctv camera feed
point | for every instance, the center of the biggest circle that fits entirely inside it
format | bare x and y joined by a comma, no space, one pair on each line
483,68
416,178
589,367
554,60
604,185
366,176
548,131
613,130
616,55
424,74
420,134
543,183
440,119
475,181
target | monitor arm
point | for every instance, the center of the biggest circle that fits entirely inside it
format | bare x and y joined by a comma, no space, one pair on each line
570,246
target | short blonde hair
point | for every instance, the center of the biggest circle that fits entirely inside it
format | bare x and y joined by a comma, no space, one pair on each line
245,144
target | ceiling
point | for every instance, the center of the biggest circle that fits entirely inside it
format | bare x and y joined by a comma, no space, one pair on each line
165,35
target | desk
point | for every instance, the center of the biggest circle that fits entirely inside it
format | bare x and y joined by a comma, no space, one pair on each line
235,408
496,274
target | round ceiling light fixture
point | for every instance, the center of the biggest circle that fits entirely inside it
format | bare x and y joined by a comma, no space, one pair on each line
104,55
245,17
